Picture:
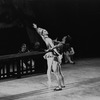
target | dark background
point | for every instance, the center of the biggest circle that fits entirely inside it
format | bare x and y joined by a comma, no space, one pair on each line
78,18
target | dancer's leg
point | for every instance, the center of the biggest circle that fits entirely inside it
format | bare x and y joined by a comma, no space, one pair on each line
61,76
49,64
55,68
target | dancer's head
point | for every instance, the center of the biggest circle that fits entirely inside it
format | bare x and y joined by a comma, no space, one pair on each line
43,32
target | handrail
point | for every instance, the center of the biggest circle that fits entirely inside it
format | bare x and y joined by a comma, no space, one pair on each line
21,64
3,57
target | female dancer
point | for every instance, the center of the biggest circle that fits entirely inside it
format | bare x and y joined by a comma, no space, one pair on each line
53,59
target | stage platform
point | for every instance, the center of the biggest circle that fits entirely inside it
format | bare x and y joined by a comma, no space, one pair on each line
82,81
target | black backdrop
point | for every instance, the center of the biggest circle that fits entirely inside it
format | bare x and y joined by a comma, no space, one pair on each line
78,18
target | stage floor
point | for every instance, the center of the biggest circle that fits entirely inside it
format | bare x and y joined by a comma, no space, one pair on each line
82,82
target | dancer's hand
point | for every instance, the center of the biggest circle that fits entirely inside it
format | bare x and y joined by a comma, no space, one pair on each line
34,25
46,50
